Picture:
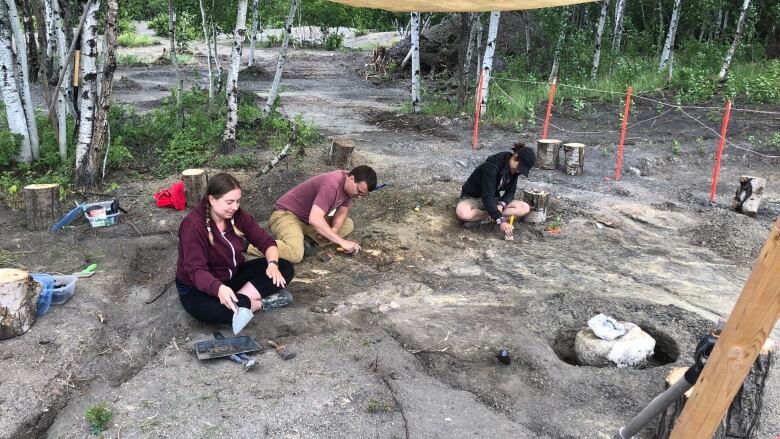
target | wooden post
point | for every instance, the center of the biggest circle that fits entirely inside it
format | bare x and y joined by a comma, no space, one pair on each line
748,195
547,153
341,149
42,202
195,182
574,158
537,199
749,326
18,302
745,409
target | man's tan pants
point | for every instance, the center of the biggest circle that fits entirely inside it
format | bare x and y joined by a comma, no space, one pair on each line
289,232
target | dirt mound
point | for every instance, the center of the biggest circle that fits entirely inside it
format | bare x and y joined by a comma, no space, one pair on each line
255,73
414,122
125,83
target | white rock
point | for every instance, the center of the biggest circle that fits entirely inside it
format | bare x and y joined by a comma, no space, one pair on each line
630,350
606,327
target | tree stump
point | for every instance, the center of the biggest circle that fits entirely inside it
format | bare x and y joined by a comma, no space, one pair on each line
340,154
195,182
42,203
537,199
748,195
547,153
573,158
745,409
18,302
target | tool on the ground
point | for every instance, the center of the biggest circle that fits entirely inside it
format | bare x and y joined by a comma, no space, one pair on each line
240,358
676,390
327,256
511,224
380,186
282,350
225,347
68,218
241,318
503,356
87,272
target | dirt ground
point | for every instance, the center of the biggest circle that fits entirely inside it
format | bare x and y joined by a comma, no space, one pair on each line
400,340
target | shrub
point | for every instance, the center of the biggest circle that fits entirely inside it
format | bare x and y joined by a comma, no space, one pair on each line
10,143
186,29
134,40
98,417
334,41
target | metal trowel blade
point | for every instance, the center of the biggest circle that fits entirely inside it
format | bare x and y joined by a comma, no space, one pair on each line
240,319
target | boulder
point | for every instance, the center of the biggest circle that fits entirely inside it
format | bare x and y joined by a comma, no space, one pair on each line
630,350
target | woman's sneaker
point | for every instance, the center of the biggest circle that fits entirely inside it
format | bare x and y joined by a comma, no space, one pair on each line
278,300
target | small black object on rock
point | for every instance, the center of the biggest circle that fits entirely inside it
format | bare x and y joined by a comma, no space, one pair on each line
503,356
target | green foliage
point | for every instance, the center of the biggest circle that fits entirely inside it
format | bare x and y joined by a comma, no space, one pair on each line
98,417
10,144
361,32
774,141
129,58
130,39
119,156
380,405
334,41
187,28
693,85
239,161
676,147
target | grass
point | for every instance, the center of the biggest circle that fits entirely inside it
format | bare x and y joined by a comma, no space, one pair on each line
98,417
185,58
380,405
135,40
129,58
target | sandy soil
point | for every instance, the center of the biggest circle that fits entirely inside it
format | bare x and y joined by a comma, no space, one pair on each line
399,341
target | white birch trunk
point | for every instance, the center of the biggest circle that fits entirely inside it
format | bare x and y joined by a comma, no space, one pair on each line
415,39
208,48
23,78
565,20
527,34
669,44
737,35
282,57
620,10
62,95
253,35
175,62
599,32
229,137
87,86
51,35
14,111
217,64
473,18
479,46
487,61
719,24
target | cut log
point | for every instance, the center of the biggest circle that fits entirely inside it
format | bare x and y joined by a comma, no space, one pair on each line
42,202
18,302
745,410
547,153
341,150
574,158
195,182
748,195
537,199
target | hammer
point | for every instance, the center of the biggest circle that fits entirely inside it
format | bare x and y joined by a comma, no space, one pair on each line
282,350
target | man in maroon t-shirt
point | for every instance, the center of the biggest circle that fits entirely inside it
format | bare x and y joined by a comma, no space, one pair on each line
318,208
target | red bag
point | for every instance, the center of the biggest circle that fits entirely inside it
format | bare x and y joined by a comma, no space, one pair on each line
173,197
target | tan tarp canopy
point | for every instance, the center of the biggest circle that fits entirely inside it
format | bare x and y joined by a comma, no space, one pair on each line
458,5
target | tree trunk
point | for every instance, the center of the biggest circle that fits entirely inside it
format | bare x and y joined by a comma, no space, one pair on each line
669,44
737,35
195,182
527,31
620,10
487,61
42,206
718,25
748,196
415,20
18,302
217,64
23,78
64,94
565,19
88,176
341,149
473,18
537,200
547,152
574,158
208,49
253,34
229,137
17,120
175,62
599,32
33,42
282,58
87,89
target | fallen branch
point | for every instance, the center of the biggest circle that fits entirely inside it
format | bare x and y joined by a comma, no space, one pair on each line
164,289
431,348
282,154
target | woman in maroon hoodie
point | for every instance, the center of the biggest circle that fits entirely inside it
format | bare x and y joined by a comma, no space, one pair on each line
211,275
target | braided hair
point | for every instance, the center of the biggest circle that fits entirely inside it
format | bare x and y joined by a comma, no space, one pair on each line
218,186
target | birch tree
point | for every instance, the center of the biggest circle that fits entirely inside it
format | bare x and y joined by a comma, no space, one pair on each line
565,19
87,89
737,36
208,48
487,61
620,11
473,19
23,77
253,34
415,39
175,62
229,138
599,32
669,44
17,121
282,57
32,42
217,65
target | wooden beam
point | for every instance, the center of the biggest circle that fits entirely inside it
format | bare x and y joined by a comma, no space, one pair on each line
751,322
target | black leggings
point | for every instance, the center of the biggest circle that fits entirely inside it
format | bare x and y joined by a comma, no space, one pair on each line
207,308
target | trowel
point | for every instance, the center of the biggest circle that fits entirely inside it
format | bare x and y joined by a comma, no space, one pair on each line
241,318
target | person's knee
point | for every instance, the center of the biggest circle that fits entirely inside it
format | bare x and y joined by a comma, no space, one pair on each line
462,212
522,208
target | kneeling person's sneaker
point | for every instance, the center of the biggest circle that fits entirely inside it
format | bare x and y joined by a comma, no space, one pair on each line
278,300
309,246
474,224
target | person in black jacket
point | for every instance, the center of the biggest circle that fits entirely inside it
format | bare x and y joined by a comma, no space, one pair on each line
481,201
